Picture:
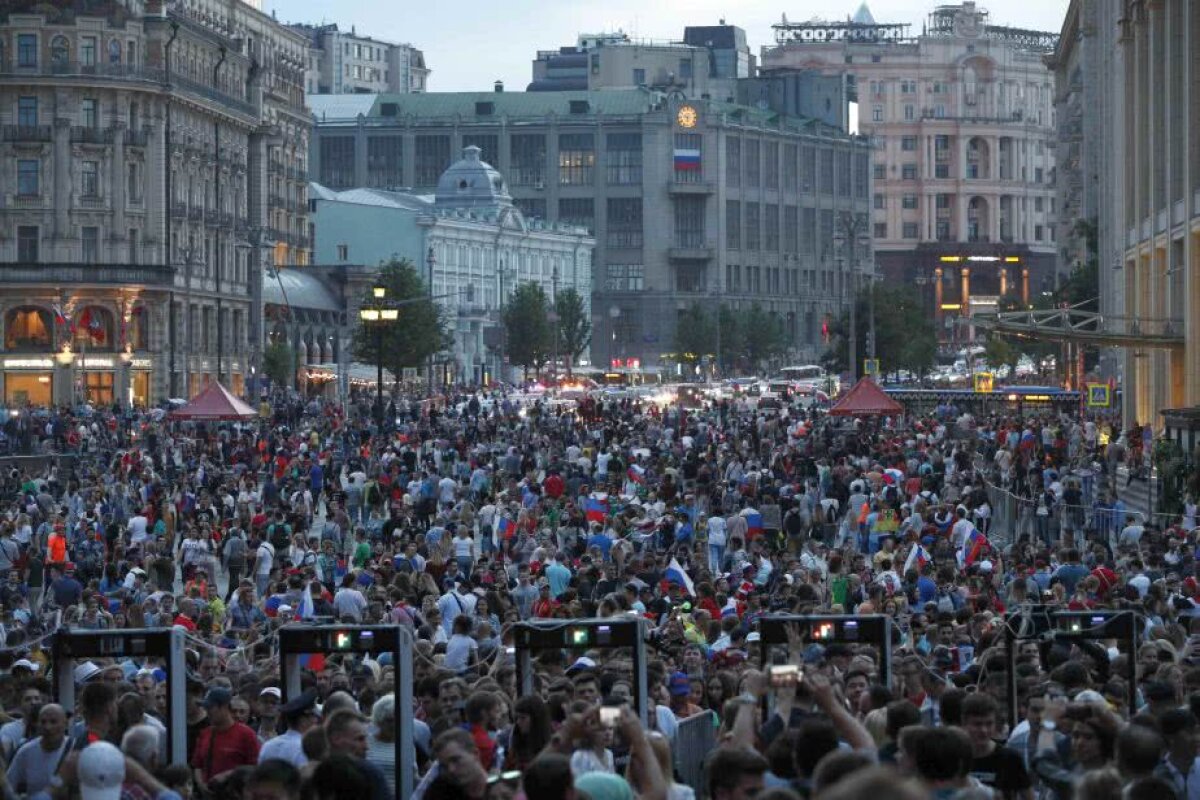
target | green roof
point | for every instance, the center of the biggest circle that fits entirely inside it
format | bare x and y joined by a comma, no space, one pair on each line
428,105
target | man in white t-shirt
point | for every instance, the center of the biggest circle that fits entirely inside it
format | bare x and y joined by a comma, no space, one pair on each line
138,525
264,560
962,527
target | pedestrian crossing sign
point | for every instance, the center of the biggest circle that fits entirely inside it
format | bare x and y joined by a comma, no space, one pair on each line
1099,395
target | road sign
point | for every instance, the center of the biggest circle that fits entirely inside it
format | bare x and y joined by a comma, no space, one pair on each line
870,366
985,382
1099,395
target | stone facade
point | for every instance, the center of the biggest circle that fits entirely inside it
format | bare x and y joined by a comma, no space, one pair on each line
341,62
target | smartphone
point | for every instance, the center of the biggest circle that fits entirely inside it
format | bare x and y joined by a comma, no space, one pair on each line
783,675
609,716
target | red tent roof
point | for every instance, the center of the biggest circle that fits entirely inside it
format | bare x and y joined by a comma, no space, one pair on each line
215,403
866,399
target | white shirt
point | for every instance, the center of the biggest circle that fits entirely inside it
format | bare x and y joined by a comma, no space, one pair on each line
716,531
286,747
266,556
349,603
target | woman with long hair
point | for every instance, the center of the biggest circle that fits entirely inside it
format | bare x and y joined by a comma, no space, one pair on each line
530,732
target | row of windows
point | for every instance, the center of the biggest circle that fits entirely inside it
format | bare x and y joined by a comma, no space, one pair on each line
29,113
29,179
780,280
804,168
910,202
28,51
754,226
912,230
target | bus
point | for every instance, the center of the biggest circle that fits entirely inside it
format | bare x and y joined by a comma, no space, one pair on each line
809,378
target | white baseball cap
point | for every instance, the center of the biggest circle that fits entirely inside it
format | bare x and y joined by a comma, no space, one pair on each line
27,664
101,772
86,671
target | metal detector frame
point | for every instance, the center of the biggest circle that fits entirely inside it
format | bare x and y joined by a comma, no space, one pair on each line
874,629
1067,625
297,639
557,634
71,646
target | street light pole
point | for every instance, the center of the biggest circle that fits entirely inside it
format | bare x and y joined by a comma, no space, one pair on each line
850,233
377,314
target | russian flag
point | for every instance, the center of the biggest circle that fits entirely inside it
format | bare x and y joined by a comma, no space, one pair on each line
59,317
754,524
686,159
675,573
636,474
312,661
505,528
918,557
596,510
973,547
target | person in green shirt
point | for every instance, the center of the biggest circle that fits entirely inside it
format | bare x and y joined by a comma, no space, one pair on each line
362,549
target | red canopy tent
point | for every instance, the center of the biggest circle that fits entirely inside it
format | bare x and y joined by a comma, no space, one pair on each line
214,403
866,399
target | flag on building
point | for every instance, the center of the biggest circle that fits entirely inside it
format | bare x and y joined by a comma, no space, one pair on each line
595,510
675,573
918,557
59,317
686,160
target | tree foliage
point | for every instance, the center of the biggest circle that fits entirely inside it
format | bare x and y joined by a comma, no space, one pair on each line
530,337
574,327
279,363
695,335
763,337
905,338
418,332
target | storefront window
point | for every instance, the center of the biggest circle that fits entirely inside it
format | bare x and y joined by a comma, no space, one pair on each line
27,389
99,388
94,329
137,333
28,328
140,384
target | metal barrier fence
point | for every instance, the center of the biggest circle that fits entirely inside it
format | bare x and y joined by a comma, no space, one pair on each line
695,737
1014,518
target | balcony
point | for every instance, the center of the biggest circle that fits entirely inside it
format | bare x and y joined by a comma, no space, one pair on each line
137,138
690,251
228,102
84,134
298,175
77,274
690,187
73,69
28,133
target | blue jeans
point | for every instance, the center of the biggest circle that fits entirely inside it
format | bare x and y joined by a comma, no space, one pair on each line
261,582
716,556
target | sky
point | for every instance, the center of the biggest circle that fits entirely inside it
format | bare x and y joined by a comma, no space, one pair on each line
469,44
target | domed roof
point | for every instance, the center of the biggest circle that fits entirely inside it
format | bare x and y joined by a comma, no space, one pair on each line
472,183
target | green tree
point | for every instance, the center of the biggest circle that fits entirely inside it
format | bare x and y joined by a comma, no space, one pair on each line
763,337
695,335
905,338
279,363
419,330
732,335
574,327
530,338
997,353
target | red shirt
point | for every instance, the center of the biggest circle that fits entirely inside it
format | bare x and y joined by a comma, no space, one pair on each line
236,746
185,622
485,746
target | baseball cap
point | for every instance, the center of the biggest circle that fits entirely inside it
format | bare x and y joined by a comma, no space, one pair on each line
101,772
217,696
26,663
273,691
680,684
581,663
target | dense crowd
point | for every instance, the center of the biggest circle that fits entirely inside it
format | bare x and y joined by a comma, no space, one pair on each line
470,513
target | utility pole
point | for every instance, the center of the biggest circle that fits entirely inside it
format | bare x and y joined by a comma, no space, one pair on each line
849,234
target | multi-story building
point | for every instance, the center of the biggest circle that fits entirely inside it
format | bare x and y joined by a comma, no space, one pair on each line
962,117
347,63
469,240
690,201
139,143
707,64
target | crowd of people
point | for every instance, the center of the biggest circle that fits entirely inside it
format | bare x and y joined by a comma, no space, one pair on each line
468,514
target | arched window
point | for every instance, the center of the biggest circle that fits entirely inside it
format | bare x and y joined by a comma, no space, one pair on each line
28,328
60,51
94,329
137,333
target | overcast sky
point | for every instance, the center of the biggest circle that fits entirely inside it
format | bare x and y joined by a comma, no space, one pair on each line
469,44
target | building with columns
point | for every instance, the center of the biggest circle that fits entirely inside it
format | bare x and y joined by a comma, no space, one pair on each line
154,158
962,119
473,245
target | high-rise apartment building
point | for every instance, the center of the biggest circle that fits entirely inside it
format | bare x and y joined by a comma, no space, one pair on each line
154,158
962,119
341,62
689,200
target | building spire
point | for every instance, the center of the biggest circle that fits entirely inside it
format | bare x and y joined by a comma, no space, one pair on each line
863,16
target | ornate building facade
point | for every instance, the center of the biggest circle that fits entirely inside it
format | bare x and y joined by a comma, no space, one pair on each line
154,159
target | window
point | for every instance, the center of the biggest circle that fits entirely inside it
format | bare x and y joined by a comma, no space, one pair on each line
579,211
89,240
87,51
908,143
791,229
385,162
877,114
808,168
337,161
880,202
685,69
1038,233
28,241
527,152
133,246
771,168
943,202
624,228
879,171
89,113
689,221
910,230
808,230
771,223
733,225
89,174
909,202
753,165
488,144
60,51
431,158
910,113
133,183
531,207
908,87
639,77
29,177
27,50
576,158
825,175
880,230
941,171
790,175
939,111
1037,175
27,112
753,226
114,52
343,252
733,161
1038,204
625,278
862,183
908,172
943,230
624,158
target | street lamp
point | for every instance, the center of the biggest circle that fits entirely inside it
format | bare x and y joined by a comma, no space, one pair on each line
378,315
850,235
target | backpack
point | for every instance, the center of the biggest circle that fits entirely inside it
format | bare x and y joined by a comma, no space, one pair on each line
279,534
